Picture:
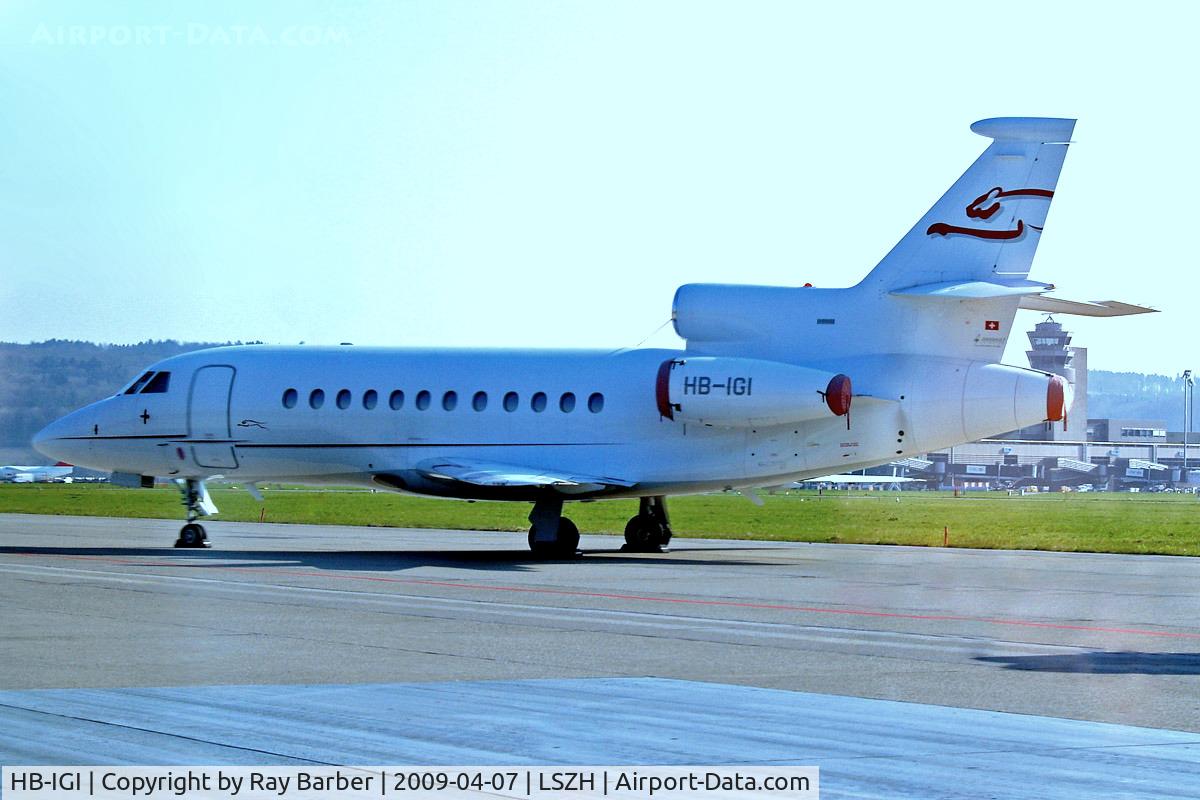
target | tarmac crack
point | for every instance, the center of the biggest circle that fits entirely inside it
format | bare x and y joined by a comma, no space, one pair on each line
153,731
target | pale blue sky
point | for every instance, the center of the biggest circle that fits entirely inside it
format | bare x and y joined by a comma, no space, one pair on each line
546,174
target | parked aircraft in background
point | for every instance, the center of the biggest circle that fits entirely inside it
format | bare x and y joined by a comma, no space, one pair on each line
25,474
775,384
856,480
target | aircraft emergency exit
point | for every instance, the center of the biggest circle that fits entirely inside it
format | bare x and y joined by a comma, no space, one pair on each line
775,384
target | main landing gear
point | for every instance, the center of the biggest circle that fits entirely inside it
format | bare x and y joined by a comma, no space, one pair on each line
650,530
552,535
198,503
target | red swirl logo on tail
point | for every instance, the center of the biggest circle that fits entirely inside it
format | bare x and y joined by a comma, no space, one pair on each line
985,207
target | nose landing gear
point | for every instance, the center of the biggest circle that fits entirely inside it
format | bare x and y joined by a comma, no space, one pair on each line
198,503
192,535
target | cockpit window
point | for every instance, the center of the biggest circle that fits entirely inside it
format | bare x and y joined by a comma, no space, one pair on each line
158,384
137,385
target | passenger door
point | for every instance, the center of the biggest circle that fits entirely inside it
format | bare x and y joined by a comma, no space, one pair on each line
208,417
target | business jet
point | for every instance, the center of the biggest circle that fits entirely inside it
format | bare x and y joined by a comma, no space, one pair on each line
775,384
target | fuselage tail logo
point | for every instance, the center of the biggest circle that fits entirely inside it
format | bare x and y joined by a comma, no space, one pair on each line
984,208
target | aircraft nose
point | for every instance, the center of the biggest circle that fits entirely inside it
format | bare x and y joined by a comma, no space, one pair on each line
61,441
44,441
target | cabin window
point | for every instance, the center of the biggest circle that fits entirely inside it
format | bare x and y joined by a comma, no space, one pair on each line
343,399
396,400
479,401
422,400
596,403
158,384
290,397
137,385
450,401
511,401
566,403
316,398
538,403
370,399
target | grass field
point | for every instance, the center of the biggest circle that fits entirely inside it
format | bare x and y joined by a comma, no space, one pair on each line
1116,523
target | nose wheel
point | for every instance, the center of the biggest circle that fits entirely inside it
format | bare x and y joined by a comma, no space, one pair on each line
192,535
198,503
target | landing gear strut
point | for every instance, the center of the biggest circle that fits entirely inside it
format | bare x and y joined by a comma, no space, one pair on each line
552,535
198,503
650,530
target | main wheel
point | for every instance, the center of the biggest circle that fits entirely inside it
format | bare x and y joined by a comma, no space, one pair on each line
645,535
565,543
568,537
192,535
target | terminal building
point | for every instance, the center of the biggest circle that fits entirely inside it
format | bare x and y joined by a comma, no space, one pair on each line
1087,454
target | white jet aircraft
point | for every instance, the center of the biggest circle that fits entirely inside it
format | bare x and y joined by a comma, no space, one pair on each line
16,473
775,384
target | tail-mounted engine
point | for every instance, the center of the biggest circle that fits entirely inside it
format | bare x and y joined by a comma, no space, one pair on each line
741,392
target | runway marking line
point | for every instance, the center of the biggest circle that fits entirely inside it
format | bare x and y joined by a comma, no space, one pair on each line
641,598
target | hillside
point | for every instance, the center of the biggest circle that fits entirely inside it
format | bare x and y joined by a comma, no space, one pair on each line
1132,395
40,382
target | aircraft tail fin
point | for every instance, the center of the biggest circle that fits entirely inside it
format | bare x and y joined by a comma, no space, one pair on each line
986,227
949,288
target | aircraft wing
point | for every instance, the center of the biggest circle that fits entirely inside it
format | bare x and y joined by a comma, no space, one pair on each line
492,475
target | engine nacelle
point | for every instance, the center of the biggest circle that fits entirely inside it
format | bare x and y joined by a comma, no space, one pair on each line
715,312
742,392
997,397
956,401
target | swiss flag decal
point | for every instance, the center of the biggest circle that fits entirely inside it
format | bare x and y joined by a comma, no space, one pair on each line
991,325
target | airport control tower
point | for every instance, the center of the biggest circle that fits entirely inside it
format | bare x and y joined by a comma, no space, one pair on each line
1051,352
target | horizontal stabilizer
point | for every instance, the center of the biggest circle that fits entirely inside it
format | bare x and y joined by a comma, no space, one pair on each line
1082,308
1026,129
974,290
492,475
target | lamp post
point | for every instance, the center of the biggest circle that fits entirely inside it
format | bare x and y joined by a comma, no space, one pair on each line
1189,384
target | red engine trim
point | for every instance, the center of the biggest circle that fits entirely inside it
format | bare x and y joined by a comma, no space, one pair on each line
838,395
1056,399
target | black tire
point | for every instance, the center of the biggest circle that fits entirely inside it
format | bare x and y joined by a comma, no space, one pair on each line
191,535
568,537
643,535
565,544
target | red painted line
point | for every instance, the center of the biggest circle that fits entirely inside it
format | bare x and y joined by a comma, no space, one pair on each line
638,597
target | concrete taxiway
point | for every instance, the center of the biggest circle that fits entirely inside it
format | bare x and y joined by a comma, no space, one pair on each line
1069,639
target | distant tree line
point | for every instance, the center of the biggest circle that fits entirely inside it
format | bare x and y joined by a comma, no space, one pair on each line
1132,395
42,381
